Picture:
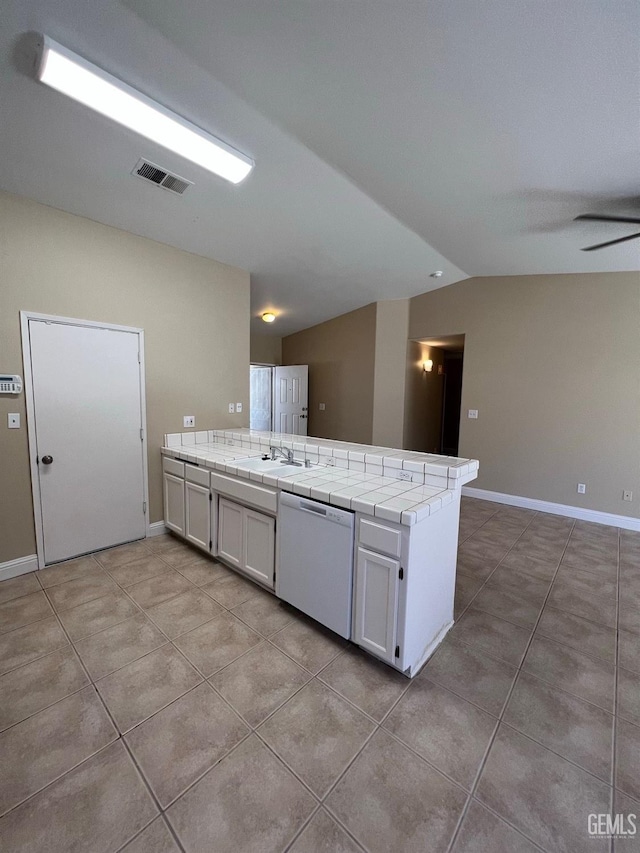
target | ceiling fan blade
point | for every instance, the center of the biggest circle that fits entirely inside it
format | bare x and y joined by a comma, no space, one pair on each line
611,242
597,217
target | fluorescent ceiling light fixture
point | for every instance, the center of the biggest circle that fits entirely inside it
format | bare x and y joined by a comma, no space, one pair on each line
78,79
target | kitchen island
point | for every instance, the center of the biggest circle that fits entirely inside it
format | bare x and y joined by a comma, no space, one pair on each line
222,492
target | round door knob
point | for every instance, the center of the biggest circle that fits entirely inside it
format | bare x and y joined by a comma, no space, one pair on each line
47,460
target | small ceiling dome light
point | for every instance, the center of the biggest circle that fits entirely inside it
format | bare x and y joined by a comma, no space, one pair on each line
436,274
268,317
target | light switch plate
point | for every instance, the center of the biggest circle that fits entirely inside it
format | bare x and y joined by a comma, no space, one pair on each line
473,414
188,421
13,420
321,406
232,408
238,407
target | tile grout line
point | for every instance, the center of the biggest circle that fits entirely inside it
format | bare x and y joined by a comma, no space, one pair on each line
56,701
377,726
161,817
499,564
483,761
301,829
614,734
121,737
89,757
151,793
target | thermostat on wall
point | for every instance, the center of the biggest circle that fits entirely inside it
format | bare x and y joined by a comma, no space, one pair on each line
10,384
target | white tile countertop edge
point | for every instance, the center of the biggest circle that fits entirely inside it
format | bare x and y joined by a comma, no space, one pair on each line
394,485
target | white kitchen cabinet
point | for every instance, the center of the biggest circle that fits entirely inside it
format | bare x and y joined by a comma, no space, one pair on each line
246,539
377,579
174,503
230,532
197,515
259,546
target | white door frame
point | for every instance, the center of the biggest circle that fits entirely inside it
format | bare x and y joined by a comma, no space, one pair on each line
25,316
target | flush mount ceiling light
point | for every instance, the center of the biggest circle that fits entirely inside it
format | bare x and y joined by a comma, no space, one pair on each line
78,79
268,317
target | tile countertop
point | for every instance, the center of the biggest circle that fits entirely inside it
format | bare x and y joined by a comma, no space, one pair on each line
394,485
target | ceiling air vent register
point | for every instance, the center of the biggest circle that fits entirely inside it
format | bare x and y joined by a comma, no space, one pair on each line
160,177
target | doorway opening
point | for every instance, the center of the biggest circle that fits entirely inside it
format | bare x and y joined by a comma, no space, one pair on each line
442,361
278,398
260,396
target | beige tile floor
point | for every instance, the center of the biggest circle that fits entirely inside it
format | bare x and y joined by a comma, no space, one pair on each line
152,700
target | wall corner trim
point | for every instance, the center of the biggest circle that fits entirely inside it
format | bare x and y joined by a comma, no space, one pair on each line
20,566
578,512
156,528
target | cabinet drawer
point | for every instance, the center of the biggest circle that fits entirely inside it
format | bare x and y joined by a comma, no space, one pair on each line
172,466
261,497
380,538
197,475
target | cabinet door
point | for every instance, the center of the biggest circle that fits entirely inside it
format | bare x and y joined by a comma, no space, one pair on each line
259,546
174,503
197,515
376,611
230,532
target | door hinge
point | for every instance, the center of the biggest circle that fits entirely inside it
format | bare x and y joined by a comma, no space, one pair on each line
401,573
210,498
397,651
139,358
144,507
210,544
141,434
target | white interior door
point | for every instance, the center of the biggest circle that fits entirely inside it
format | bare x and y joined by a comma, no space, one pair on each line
291,399
87,406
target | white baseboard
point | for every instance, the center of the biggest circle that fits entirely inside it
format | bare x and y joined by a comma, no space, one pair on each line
21,566
593,515
157,528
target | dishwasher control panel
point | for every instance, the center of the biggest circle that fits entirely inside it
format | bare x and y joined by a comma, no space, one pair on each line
332,515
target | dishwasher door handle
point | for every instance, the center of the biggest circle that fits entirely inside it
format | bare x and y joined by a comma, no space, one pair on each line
309,507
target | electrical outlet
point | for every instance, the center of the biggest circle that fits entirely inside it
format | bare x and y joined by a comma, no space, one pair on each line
405,475
188,421
232,408
627,496
238,407
473,414
582,488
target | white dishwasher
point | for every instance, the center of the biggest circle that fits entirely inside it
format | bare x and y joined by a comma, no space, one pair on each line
315,568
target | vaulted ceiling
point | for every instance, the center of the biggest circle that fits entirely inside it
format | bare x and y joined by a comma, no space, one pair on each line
392,138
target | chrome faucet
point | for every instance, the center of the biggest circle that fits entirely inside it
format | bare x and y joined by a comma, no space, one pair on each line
281,451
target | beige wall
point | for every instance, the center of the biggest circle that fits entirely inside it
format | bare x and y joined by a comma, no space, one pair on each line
392,322
424,398
197,360
552,363
265,349
340,354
